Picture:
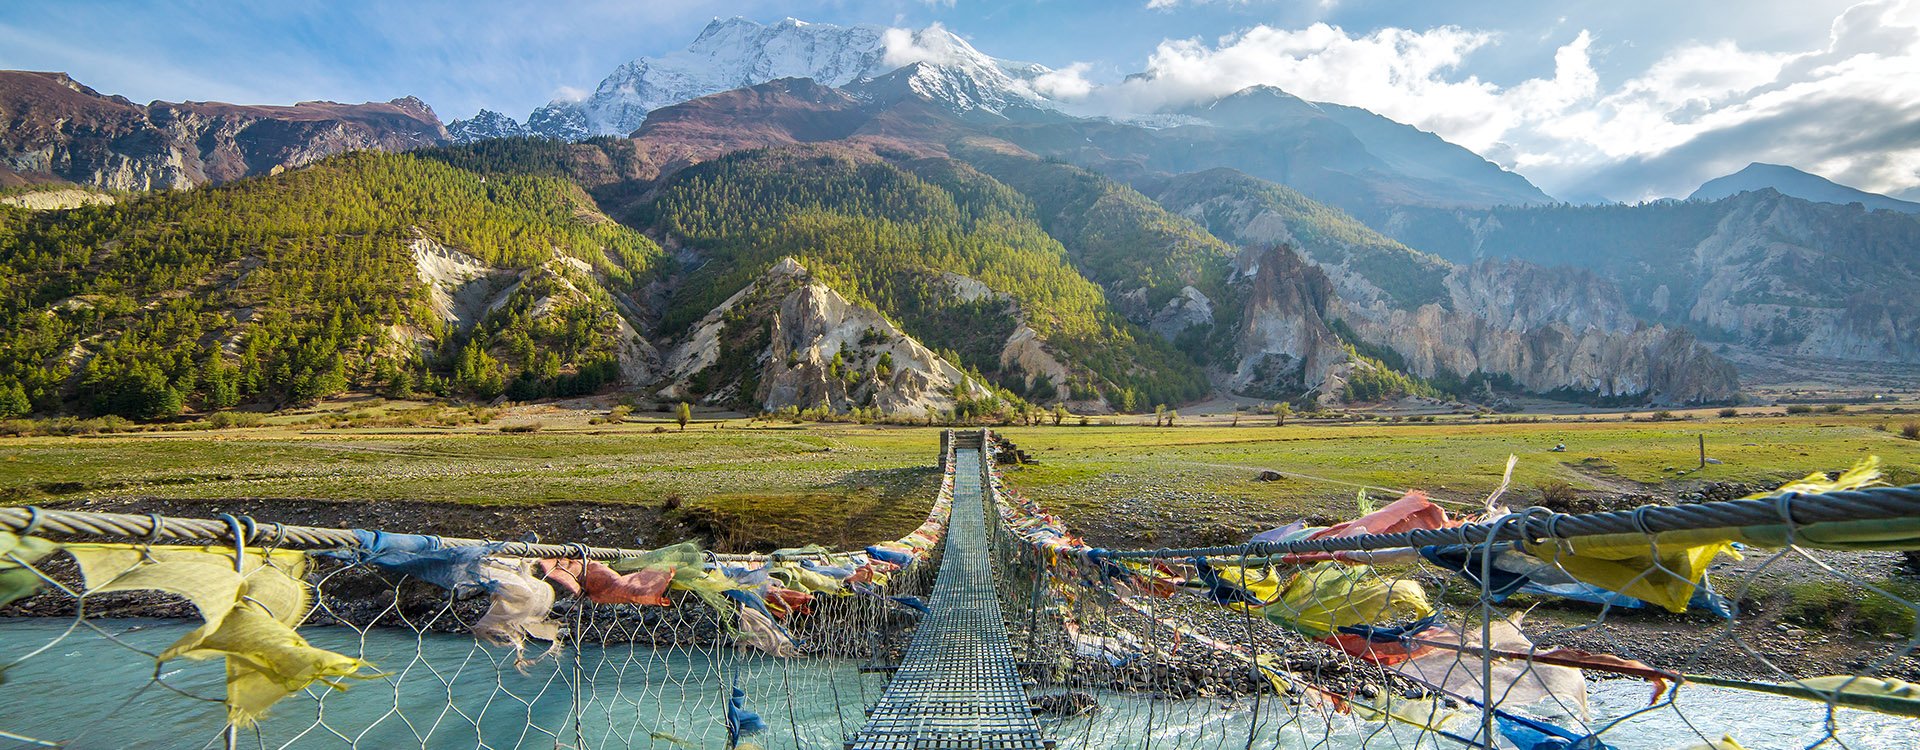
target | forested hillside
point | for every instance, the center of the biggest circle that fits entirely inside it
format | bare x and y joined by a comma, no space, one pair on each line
489,270
1250,211
887,235
295,287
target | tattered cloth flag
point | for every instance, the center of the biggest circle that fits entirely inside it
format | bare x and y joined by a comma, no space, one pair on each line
741,723
897,554
1281,534
1669,569
1456,670
1322,599
1220,590
1383,645
757,628
1412,511
517,609
518,602
456,569
911,602
249,616
785,602
601,585
18,579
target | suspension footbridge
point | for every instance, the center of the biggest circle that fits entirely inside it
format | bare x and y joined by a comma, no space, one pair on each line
1403,627
959,686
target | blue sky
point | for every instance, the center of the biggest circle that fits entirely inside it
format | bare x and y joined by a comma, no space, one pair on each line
1688,61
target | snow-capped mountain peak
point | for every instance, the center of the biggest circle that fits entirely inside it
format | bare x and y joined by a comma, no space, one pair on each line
739,52
487,124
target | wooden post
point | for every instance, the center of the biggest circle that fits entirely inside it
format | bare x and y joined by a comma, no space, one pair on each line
1703,450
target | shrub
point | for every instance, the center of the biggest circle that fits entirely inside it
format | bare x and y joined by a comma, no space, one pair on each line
522,428
1799,409
231,419
1663,416
619,413
1910,430
1558,495
1729,412
1833,408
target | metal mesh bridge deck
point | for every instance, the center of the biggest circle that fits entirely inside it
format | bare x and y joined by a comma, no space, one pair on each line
958,686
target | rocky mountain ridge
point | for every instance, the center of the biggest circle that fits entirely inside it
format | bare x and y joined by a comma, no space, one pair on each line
485,125
788,340
1340,155
1371,276
1543,329
737,52
1782,276
1789,181
53,128
1345,156
1268,312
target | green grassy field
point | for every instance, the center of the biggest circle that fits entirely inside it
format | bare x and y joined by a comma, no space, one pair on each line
774,485
756,487
1146,486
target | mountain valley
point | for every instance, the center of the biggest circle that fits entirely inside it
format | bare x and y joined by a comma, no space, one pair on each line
792,216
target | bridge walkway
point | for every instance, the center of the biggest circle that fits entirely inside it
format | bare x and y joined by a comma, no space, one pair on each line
958,687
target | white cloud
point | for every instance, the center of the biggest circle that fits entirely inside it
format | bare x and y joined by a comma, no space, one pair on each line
1848,111
1065,84
934,45
570,94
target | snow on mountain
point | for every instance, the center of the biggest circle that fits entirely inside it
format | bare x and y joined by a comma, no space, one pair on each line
739,52
486,124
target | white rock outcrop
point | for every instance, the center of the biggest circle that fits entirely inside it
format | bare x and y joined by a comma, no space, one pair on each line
793,327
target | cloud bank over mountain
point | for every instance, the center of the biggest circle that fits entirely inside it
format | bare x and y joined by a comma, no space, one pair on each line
1849,111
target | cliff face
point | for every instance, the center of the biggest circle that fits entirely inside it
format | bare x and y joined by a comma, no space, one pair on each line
52,127
1548,330
1785,277
775,343
1800,278
1283,341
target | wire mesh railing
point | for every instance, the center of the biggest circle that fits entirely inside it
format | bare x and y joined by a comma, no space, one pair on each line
145,631
1779,621
1410,627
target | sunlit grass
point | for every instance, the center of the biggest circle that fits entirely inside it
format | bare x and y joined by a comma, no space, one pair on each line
1202,478
778,482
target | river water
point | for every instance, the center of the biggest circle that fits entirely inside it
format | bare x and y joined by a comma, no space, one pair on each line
443,691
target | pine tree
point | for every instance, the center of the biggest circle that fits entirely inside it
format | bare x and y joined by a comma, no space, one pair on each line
219,382
13,401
